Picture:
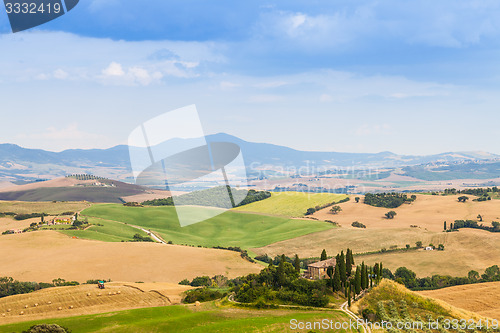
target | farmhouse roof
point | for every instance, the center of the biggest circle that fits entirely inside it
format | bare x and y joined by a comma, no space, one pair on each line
324,263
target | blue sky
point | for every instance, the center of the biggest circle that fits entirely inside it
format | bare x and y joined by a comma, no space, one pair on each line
361,76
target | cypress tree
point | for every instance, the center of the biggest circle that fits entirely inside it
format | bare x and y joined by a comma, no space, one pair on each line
357,281
349,297
381,272
296,263
323,255
337,283
342,272
352,258
348,263
444,227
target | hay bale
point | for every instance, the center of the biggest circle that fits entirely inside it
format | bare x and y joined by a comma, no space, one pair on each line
114,292
88,294
21,313
8,310
26,306
49,302
197,303
3,314
36,304
71,306
119,292
99,294
59,308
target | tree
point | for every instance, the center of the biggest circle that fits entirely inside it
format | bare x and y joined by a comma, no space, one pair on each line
343,273
451,226
406,276
336,209
310,211
42,219
329,272
444,226
357,199
419,244
441,247
364,276
323,255
480,218
296,263
473,276
337,283
407,246
463,198
390,214
348,263
357,281
349,296
413,197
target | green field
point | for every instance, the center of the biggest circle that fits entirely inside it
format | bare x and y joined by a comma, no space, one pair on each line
106,231
227,229
206,319
290,204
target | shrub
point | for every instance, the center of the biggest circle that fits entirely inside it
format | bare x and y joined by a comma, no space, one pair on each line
357,224
47,328
202,295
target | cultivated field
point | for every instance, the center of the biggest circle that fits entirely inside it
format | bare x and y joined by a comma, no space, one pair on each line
290,204
481,298
87,299
227,229
206,318
48,207
464,250
45,255
427,212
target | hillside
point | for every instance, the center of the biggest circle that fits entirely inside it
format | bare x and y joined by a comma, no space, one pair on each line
392,302
87,299
70,189
290,204
477,249
227,229
481,298
18,163
80,260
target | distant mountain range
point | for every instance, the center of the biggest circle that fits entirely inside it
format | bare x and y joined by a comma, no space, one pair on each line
22,164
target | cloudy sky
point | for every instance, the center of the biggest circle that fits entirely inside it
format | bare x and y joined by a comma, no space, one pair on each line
359,76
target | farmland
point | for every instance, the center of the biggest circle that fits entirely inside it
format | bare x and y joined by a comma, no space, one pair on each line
207,318
87,299
81,260
48,207
481,298
290,204
227,229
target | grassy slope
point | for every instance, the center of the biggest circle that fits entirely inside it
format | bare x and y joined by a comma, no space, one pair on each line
291,204
418,306
228,229
206,319
106,231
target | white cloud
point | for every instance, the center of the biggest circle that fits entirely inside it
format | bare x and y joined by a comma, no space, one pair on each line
114,69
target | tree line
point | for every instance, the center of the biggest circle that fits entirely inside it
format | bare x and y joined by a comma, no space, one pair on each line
407,277
388,200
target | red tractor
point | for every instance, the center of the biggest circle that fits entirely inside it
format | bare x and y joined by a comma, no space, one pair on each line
100,284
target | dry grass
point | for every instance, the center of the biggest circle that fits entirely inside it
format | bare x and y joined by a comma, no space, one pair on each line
87,299
482,298
465,250
428,212
51,208
45,255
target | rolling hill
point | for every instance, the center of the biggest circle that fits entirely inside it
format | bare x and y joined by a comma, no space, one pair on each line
71,189
22,164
